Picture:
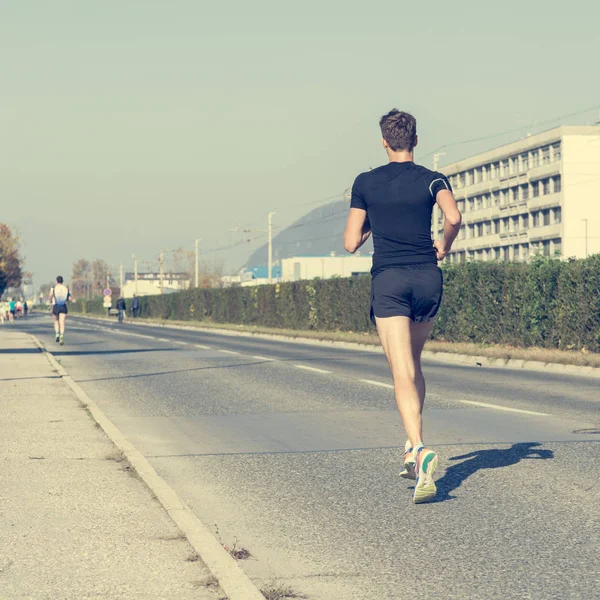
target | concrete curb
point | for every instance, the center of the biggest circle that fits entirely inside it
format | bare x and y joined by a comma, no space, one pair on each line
445,357
232,579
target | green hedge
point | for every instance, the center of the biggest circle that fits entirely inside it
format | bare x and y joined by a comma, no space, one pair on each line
546,303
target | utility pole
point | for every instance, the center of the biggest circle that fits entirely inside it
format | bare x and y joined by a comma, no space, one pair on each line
121,281
161,276
436,159
586,236
270,258
197,279
436,208
135,273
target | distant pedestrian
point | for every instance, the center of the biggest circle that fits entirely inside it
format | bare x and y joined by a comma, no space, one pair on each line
121,308
395,202
12,310
135,306
59,296
107,303
25,308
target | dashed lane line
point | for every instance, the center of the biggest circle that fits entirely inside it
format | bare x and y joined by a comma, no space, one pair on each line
314,369
203,347
498,407
228,352
265,358
378,383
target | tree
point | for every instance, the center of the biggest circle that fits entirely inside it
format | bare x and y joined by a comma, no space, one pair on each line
100,272
80,278
11,274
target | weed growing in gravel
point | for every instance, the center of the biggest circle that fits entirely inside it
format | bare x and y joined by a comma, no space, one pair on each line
277,591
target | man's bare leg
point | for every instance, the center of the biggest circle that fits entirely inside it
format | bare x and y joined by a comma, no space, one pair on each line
403,342
56,325
419,334
395,336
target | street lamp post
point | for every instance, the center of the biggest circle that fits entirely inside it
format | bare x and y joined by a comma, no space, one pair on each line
197,279
270,257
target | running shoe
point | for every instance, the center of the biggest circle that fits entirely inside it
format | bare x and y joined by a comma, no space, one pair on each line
426,463
409,462
57,339
62,340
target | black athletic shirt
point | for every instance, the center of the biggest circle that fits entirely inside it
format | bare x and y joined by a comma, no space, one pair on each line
399,199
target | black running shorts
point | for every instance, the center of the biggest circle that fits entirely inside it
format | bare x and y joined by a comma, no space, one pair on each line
413,291
57,309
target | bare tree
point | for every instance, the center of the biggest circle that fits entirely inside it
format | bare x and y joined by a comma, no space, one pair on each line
11,274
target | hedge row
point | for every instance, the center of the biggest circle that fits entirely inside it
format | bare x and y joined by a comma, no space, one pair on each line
545,303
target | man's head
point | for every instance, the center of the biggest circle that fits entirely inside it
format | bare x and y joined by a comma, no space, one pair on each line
59,279
399,131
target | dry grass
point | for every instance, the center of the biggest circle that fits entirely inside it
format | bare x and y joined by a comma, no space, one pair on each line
277,591
545,355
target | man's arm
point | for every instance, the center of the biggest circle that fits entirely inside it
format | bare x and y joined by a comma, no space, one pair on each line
452,221
358,230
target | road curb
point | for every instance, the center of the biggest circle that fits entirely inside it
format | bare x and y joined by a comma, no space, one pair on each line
232,579
446,357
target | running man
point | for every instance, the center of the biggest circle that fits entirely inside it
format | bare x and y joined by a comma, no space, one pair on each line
59,296
395,203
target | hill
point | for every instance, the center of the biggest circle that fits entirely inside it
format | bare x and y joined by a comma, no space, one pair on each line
318,233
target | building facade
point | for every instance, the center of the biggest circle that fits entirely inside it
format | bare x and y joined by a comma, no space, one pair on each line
149,284
324,267
537,196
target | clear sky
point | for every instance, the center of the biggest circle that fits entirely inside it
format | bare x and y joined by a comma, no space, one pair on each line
128,126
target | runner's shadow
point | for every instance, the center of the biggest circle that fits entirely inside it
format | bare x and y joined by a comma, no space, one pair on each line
494,458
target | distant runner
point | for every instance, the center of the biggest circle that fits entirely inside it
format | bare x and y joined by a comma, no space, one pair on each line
59,296
12,310
395,203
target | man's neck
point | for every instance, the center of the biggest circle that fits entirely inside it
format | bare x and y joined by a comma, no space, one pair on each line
401,156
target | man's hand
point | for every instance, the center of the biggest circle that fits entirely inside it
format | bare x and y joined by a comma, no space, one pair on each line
440,249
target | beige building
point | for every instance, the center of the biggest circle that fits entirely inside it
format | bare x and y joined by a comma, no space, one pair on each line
324,267
540,195
149,284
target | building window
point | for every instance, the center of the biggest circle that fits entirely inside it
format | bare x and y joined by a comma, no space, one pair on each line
535,158
545,155
495,198
535,189
461,180
462,235
546,186
525,221
557,247
546,217
557,215
524,163
479,200
485,173
515,224
513,165
535,219
504,226
479,227
470,204
460,204
504,197
505,253
557,186
546,247
468,177
515,194
525,192
504,168
556,154
496,226
469,231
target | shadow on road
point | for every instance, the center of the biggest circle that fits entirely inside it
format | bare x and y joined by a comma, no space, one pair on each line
99,352
35,350
174,372
494,458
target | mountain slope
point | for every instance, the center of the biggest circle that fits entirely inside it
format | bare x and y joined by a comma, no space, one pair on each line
318,233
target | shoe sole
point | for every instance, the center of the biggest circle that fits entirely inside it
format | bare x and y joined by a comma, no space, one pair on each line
425,489
409,471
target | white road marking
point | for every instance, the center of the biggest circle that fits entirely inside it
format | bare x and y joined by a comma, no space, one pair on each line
311,369
181,343
228,352
162,340
203,347
498,407
378,383
264,358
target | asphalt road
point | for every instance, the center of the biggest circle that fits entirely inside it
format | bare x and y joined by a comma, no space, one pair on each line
293,451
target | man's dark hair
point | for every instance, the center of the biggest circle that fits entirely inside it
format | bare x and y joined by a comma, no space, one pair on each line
399,130
59,279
